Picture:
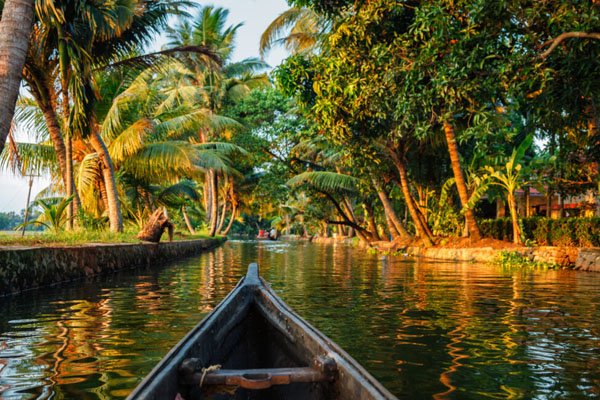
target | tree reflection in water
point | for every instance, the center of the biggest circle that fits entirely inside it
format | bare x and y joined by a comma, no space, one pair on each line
425,330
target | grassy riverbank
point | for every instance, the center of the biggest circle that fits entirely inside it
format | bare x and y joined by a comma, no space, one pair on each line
78,237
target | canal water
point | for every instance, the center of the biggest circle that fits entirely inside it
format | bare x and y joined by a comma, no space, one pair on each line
425,330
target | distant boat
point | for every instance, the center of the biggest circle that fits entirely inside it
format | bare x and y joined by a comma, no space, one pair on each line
253,346
266,235
264,238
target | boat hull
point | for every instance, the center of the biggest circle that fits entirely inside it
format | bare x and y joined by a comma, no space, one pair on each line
253,329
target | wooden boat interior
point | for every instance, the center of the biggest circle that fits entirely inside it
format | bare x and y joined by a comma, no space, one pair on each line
252,346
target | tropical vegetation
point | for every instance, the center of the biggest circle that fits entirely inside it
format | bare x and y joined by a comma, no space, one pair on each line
388,121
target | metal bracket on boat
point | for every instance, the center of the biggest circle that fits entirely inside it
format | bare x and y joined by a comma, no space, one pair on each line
324,370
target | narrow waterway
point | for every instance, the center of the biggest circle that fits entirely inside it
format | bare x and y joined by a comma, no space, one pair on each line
425,330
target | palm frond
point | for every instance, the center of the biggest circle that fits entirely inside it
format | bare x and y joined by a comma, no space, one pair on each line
164,161
29,117
182,189
246,66
33,158
130,141
221,147
277,28
325,181
88,175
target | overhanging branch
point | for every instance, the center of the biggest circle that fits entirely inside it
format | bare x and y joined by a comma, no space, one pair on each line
553,43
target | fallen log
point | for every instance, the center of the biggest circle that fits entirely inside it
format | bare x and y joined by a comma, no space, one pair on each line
155,227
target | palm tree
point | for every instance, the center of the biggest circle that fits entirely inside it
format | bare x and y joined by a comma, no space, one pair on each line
298,29
510,178
15,26
150,127
84,33
53,216
459,177
224,85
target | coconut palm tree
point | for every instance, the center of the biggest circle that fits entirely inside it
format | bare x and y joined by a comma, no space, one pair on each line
84,34
224,84
298,29
16,20
150,127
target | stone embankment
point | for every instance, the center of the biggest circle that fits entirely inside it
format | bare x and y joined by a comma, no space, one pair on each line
583,259
23,268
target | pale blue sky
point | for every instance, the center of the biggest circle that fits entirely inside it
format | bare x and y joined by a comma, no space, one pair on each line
256,16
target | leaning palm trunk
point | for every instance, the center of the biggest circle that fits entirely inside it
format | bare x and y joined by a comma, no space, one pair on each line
371,224
394,234
70,181
230,224
188,223
422,231
422,218
42,96
214,200
362,233
207,196
394,223
108,173
461,186
222,217
15,28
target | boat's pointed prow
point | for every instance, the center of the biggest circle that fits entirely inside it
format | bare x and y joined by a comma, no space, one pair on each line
263,350
252,276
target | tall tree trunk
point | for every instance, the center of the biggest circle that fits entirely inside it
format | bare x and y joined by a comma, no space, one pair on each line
57,140
47,105
188,223
371,224
108,172
103,194
423,220
15,28
461,186
561,203
64,79
207,198
412,208
214,207
70,180
45,98
222,217
233,212
340,230
389,212
394,234
512,206
362,233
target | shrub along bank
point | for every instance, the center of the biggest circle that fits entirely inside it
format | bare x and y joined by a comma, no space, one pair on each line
577,232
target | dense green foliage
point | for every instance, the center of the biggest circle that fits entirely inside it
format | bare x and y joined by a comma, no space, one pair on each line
9,220
399,86
388,120
579,232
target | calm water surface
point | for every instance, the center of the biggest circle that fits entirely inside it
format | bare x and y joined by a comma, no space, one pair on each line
425,330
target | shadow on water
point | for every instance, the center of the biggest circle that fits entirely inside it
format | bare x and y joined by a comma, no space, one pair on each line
425,330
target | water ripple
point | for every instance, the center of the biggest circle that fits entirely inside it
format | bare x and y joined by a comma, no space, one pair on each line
425,330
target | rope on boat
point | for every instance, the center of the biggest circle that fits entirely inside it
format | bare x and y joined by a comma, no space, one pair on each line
206,370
